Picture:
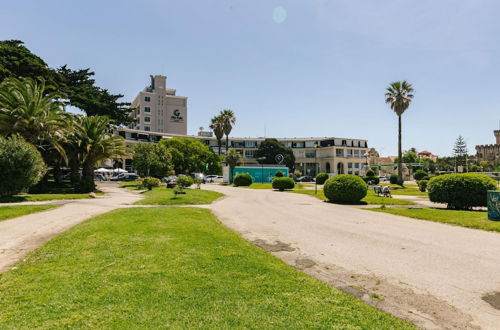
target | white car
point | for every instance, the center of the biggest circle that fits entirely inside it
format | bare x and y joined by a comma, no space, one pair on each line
214,179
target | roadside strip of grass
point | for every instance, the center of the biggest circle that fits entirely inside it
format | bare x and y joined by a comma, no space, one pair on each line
468,219
164,196
370,198
9,212
170,268
43,197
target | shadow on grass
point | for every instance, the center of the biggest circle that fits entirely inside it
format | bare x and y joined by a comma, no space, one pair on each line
346,203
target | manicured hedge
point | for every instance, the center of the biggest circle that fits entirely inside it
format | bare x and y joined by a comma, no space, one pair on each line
422,185
460,191
242,179
321,178
21,165
282,183
345,188
370,172
150,182
420,175
184,181
371,179
393,179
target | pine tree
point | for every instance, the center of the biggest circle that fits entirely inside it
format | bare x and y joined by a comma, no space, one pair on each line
460,152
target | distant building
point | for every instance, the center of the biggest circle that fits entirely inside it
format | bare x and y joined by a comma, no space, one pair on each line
489,152
158,109
428,155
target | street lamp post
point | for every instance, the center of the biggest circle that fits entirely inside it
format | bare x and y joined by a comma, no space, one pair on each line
261,159
315,167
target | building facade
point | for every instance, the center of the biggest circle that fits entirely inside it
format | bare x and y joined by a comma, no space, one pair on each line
158,109
489,152
331,155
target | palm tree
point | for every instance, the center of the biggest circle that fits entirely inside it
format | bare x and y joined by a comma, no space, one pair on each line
233,158
399,95
95,144
26,109
217,126
228,120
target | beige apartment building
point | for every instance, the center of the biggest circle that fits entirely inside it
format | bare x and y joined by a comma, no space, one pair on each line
158,109
312,155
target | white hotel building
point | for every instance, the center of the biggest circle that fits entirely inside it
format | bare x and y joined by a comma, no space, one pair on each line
160,114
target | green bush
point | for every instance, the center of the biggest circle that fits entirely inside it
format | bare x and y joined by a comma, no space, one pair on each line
150,182
321,178
371,179
279,174
419,175
21,165
460,191
242,179
345,188
393,179
422,185
370,172
283,183
184,181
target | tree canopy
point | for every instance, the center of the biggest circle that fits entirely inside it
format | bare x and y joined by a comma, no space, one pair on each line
190,155
152,160
76,86
269,148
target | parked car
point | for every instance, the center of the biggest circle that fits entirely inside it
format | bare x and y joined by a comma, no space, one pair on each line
305,178
99,177
383,178
125,177
170,178
200,176
214,179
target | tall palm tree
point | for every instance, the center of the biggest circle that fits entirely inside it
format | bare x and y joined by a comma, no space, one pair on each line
399,95
232,158
228,120
217,126
28,110
95,143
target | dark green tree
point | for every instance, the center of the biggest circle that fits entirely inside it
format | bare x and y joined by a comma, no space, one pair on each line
189,155
460,152
269,148
152,160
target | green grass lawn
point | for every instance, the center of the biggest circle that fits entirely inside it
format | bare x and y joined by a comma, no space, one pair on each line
9,212
370,198
132,185
164,196
42,197
469,219
170,268
409,191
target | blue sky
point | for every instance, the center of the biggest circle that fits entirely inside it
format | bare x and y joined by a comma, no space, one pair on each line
294,68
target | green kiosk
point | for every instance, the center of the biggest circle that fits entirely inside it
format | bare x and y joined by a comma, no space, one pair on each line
261,174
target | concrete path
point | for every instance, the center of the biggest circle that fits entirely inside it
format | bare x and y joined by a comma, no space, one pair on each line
435,275
20,235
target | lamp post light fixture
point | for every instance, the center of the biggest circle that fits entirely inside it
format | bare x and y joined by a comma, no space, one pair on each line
315,145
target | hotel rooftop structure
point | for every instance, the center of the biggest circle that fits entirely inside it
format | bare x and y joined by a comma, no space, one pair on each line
161,115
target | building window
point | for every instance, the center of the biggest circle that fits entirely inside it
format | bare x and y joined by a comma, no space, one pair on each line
250,144
349,153
147,119
147,128
147,99
249,153
349,165
356,165
339,152
147,109
356,153
310,154
344,143
356,172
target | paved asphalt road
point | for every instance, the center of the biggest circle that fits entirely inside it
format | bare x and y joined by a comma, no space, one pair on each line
436,275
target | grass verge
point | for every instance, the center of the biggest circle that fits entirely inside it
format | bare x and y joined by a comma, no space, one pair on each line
468,219
164,196
370,198
170,268
42,197
9,212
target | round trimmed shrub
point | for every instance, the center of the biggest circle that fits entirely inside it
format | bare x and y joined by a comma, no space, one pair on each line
321,178
393,179
242,179
150,182
420,175
370,172
345,188
279,174
422,185
460,191
371,179
283,183
21,165
184,181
